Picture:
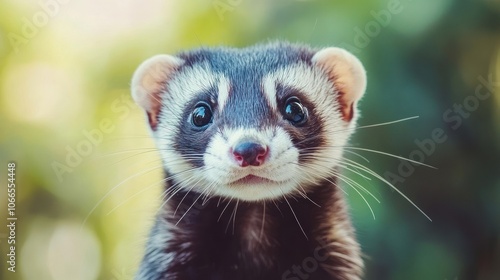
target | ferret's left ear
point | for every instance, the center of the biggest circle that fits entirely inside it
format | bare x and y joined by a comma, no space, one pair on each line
149,83
346,73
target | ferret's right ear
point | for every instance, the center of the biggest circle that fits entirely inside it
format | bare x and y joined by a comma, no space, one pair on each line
347,75
150,81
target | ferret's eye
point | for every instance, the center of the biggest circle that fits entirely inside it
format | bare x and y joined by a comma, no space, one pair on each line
202,115
294,112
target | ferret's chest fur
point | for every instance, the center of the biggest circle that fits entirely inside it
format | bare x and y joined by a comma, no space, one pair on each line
225,239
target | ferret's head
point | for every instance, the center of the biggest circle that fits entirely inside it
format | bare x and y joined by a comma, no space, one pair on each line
251,124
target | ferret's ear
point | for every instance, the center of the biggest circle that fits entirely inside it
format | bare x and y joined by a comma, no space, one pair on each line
150,81
346,73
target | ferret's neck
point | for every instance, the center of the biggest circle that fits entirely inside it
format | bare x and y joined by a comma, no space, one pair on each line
302,216
258,237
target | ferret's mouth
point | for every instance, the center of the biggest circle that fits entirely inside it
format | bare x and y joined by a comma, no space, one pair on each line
252,180
255,188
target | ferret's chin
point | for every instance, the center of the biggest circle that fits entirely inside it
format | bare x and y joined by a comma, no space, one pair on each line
253,188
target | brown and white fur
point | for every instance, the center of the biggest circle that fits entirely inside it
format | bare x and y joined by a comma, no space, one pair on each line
251,141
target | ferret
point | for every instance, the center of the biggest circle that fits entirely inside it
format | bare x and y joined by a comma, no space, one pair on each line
251,141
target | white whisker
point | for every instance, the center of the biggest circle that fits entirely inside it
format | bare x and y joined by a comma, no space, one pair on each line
114,188
373,173
294,215
390,155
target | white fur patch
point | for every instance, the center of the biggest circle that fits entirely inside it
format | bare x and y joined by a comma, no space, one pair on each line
223,92
269,86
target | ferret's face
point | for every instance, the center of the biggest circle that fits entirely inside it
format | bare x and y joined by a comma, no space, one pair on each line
251,124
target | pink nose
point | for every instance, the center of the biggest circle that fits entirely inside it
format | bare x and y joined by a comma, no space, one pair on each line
250,153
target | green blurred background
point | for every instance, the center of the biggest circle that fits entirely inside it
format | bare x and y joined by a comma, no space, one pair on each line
87,172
